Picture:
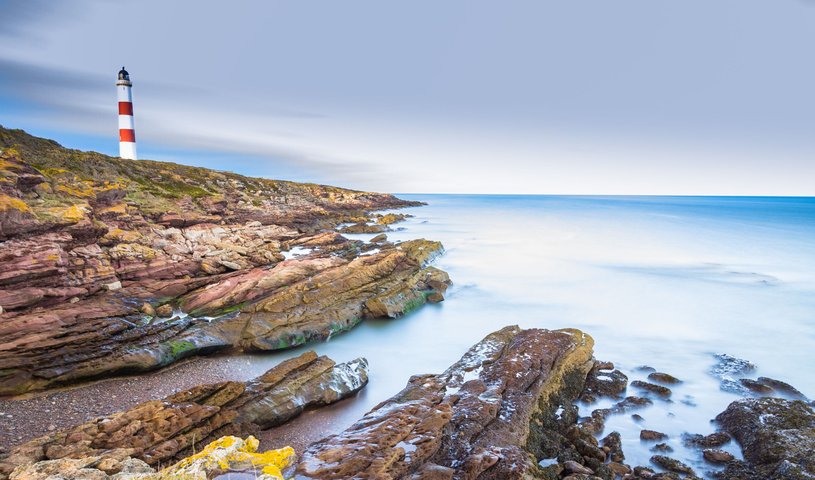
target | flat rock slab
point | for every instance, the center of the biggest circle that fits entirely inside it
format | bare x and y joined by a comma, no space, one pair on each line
478,419
159,431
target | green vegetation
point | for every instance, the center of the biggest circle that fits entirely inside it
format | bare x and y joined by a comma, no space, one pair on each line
178,347
74,176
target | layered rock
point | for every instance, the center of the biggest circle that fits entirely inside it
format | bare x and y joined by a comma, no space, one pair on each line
159,431
777,438
221,457
295,302
481,418
110,265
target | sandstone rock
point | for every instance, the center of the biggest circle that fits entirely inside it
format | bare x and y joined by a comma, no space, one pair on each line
613,444
110,234
165,311
756,387
158,431
783,387
777,436
672,464
227,454
651,435
716,439
663,378
475,420
715,455
148,309
662,447
363,228
292,303
602,383
574,467
652,388
379,238
391,218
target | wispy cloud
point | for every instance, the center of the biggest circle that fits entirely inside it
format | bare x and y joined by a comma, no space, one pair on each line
540,97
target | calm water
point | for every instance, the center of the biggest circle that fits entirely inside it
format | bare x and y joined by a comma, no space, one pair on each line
661,281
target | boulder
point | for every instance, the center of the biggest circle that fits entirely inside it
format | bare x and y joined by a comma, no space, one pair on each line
482,418
777,436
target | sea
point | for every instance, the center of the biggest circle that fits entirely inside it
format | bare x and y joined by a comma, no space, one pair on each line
657,281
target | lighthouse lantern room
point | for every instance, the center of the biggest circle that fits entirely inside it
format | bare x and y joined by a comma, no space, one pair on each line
127,130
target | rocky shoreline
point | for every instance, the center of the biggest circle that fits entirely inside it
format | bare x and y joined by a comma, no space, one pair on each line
509,409
112,266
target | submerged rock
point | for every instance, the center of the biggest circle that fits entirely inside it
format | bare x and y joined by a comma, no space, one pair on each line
714,455
652,435
672,464
159,431
716,439
664,378
652,388
483,417
777,437
783,387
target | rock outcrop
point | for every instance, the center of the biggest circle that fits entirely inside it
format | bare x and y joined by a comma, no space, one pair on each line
777,438
221,457
157,432
482,418
112,266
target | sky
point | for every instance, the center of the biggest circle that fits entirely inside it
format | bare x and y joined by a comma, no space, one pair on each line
685,97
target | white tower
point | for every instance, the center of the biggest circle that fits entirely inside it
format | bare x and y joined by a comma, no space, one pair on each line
127,130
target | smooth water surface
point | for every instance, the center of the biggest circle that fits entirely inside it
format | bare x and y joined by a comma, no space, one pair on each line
659,281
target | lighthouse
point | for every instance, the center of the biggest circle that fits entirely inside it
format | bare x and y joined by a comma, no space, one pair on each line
127,130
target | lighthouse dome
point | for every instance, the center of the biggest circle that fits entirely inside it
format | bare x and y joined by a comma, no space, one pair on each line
123,75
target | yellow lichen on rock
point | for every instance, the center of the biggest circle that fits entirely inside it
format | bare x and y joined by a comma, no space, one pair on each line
235,454
227,454
11,203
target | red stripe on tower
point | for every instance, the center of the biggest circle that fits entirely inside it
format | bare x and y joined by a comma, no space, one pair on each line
127,135
126,108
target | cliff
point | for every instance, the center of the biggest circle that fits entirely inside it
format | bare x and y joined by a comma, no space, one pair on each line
112,266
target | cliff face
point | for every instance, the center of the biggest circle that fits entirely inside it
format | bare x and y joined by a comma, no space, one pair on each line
111,265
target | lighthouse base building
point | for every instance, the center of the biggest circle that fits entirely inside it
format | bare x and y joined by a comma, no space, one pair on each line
127,127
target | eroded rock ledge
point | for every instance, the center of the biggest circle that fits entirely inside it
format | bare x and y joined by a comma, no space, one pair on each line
116,266
160,431
482,418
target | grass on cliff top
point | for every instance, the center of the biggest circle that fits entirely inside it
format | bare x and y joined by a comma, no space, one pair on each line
144,179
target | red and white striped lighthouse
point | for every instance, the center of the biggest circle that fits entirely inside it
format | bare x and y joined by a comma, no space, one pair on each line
127,129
